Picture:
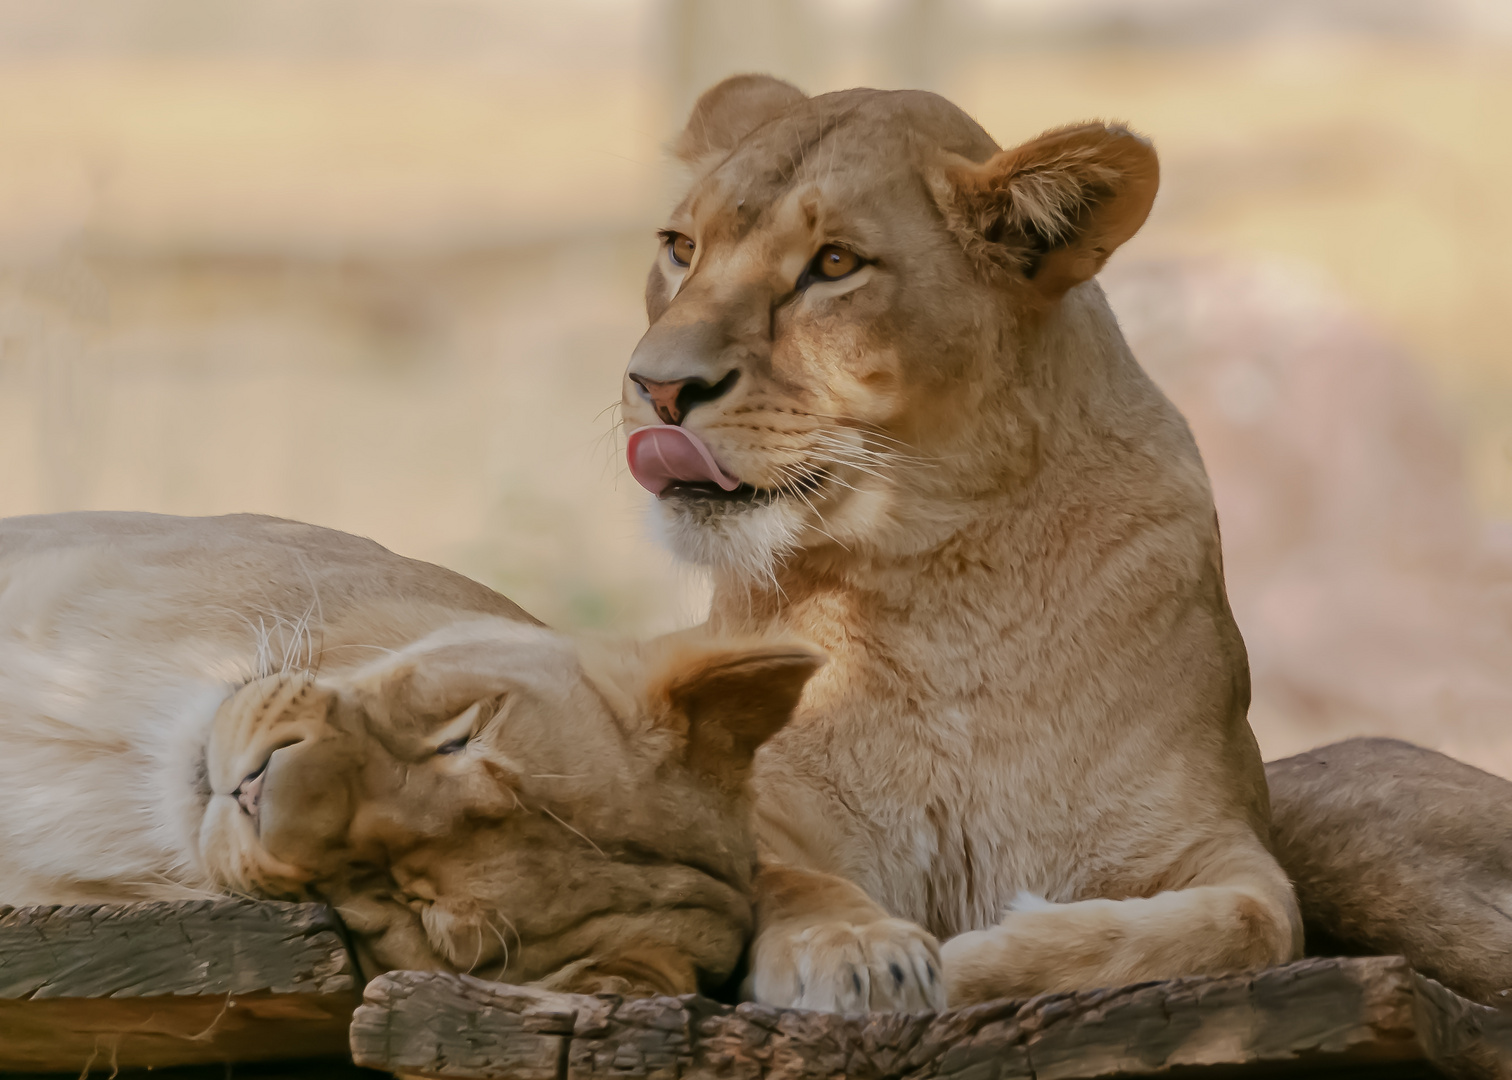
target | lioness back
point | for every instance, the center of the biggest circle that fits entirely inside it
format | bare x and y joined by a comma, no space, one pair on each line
266,567
1399,850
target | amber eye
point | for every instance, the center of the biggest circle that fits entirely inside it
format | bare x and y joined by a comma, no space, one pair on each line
679,247
833,263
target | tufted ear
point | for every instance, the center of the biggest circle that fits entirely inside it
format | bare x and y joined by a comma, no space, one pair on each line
1053,209
729,111
729,699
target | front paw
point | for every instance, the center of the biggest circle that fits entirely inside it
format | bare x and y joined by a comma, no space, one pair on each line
974,964
891,965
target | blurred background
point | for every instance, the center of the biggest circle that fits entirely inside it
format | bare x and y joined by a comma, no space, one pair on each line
377,264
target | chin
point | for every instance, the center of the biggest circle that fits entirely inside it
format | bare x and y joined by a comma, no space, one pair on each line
749,534
747,538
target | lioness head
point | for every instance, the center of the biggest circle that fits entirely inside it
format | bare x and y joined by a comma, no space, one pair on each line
854,302
493,799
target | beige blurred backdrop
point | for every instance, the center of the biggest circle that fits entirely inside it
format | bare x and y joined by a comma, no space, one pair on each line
377,264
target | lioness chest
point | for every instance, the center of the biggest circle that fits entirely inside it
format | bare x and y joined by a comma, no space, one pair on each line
947,817
948,790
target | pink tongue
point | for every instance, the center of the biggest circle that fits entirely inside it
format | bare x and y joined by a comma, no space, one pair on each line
662,455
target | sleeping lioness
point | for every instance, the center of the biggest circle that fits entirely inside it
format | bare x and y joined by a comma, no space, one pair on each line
248,705
884,400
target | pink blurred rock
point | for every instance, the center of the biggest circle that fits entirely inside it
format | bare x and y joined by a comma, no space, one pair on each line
1373,598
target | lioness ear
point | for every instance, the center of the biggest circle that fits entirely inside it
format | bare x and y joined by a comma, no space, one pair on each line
733,700
729,111
1053,209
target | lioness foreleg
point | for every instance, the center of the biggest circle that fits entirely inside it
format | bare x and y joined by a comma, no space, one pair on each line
1249,920
822,943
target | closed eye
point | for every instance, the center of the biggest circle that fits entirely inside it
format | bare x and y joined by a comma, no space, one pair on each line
457,732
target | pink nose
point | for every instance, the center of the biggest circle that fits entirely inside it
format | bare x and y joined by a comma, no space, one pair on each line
249,793
673,398
663,397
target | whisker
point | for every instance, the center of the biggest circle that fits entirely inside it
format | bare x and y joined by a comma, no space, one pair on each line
478,955
850,455
834,439
831,537
503,944
893,446
870,470
358,645
570,829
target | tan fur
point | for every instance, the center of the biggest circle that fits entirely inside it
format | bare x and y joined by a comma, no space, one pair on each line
471,790
1031,738
1400,850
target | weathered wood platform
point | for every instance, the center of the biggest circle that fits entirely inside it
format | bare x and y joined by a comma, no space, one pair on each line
1372,1017
164,984
182,989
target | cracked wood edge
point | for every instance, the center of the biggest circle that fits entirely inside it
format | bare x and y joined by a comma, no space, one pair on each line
1311,1015
1466,1038
171,983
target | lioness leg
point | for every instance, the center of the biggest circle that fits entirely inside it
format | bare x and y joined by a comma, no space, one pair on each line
822,943
1245,919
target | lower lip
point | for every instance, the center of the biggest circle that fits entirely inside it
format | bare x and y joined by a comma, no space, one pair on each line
745,493
710,492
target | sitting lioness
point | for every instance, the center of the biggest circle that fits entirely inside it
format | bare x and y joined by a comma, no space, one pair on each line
254,706
882,398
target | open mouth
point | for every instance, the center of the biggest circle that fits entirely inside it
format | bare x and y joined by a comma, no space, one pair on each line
695,489
744,493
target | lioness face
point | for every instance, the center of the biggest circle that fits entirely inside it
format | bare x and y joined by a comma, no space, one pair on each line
483,801
839,300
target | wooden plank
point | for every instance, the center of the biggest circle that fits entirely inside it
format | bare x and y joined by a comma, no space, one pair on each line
1370,1016
117,986
333,1068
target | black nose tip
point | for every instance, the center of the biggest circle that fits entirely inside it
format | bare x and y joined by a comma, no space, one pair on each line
673,398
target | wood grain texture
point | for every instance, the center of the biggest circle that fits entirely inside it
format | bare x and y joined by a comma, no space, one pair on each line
329,1068
1338,1017
163,984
